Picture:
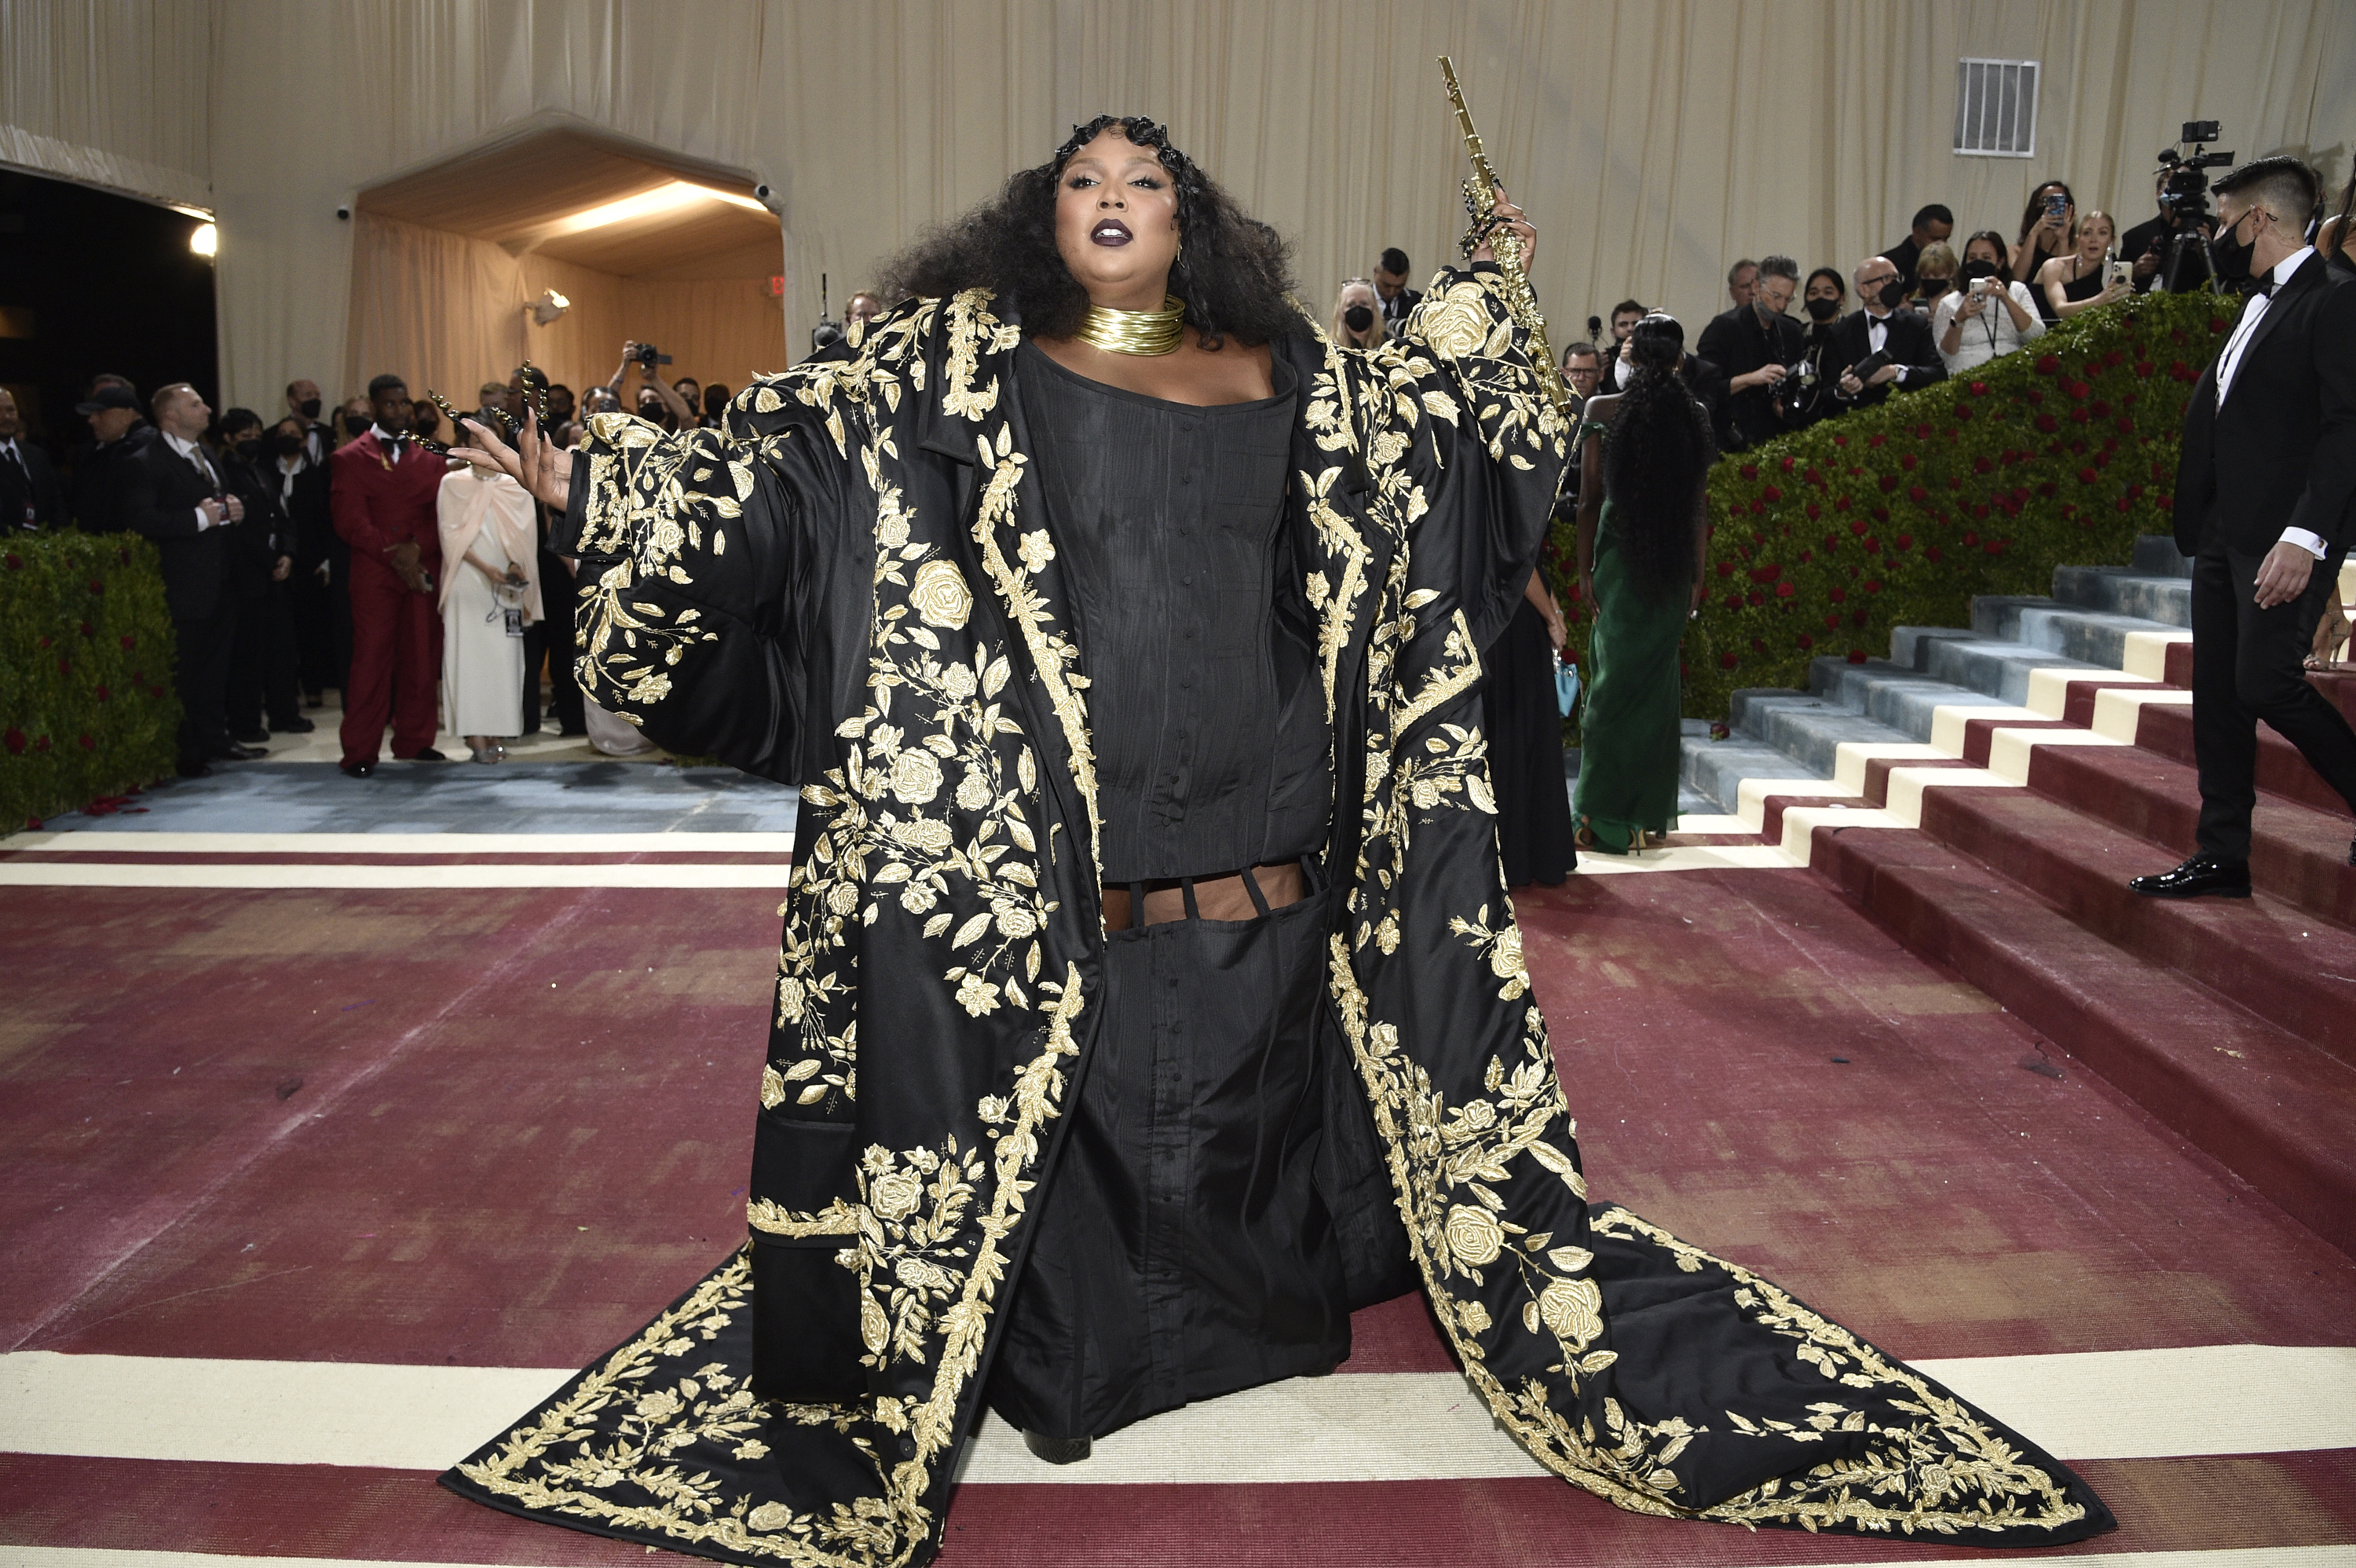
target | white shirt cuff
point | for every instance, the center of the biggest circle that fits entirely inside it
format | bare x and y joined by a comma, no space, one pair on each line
2311,543
203,522
1901,374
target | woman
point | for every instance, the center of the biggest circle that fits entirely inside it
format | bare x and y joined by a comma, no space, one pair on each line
1642,536
1812,387
1990,316
352,421
1934,275
1122,633
1357,318
2046,225
487,596
1522,719
2080,281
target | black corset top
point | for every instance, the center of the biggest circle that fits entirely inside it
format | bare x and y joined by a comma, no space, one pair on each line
1206,716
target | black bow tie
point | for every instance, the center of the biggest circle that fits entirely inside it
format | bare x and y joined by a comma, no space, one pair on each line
2261,288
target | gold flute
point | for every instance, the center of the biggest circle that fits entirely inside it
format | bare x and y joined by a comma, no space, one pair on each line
1481,202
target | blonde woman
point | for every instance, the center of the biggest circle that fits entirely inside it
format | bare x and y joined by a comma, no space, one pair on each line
2077,281
1357,321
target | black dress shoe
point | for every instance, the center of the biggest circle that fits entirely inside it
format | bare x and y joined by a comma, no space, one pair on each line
257,736
2201,874
359,770
195,771
425,754
1058,1450
235,752
298,725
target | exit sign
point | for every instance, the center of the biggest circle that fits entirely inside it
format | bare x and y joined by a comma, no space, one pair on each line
777,287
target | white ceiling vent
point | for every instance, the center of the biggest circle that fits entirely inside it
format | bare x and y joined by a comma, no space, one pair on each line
1996,108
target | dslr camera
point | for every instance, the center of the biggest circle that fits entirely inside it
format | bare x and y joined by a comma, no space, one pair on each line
648,354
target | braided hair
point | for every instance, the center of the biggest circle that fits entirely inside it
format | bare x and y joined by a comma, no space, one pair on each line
1234,272
1657,451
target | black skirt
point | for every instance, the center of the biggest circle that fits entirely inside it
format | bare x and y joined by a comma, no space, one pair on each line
1185,1249
1524,726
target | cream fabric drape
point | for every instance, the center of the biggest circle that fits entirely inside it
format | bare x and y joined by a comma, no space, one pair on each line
1651,139
448,311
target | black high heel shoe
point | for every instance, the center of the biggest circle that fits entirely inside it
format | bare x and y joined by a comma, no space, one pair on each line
1059,1450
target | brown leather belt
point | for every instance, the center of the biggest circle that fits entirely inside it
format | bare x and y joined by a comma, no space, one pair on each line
1247,894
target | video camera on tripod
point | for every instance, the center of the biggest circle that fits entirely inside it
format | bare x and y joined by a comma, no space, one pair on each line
2184,204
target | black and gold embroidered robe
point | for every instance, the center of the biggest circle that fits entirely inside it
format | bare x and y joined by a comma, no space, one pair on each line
854,588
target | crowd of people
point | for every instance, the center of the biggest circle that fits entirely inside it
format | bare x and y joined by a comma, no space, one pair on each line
314,553
1923,311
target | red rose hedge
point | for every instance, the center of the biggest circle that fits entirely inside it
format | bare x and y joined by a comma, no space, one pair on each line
87,708
1898,516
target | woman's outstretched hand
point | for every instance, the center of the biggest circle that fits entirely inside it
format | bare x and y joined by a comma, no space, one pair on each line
542,467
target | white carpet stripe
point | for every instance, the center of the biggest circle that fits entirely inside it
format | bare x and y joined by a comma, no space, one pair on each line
2224,1557
281,877
2123,1404
136,841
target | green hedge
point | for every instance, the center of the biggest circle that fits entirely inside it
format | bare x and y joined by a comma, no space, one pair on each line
86,697
1897,515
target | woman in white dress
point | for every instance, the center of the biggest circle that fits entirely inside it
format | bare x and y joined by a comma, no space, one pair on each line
488,596
1987,314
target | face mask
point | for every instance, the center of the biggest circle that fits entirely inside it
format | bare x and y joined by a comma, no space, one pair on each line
1823,309
1934,287
2230,254
356,424
249,449
1975,271
1892,294
281,445
310,408
1357,318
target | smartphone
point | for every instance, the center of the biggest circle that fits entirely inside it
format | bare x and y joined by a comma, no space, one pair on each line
2116,273
2056,205
1980,287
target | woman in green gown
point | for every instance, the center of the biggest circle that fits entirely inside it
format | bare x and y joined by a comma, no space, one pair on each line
1641,535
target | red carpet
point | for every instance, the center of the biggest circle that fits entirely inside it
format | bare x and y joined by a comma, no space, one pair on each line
497,1128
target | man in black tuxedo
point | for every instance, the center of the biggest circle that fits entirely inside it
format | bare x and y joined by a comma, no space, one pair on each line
1751,346
30,495
2263,489
302,405
1881,326
174,494
1392,290
1933,225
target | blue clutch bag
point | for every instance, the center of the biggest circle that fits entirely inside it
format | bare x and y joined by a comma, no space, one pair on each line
1566,686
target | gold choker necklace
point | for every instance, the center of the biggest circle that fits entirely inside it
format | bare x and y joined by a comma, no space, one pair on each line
1135,330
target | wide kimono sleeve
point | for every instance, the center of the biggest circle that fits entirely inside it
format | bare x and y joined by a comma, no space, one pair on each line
1487,451
705,565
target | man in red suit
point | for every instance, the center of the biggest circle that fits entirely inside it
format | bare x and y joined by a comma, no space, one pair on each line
383,490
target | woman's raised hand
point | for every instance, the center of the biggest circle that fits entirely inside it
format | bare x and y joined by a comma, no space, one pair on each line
1520,226
542,467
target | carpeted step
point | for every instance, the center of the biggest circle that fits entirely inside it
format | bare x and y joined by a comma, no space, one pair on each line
2277,1110
2123,591
2100,637
2268,954
2166,730
2297,853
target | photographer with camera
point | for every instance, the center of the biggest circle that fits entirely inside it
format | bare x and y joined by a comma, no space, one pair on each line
1881,345
2046,225
646,357
1990,316
1752,347
2172,251
2087,276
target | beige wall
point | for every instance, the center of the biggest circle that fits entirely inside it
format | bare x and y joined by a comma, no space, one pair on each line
1651,139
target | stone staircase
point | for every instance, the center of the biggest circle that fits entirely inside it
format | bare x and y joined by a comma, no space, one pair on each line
1986,793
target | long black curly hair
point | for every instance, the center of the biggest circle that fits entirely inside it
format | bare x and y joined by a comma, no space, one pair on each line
1655,456
1234,271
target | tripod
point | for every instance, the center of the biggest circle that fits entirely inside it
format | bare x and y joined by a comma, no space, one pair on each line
2187,264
